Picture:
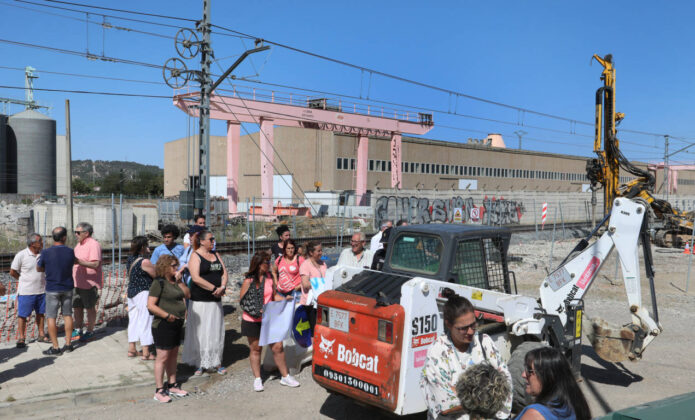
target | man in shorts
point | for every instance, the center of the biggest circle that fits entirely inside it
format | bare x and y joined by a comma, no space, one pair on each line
88,281
31,289
57,262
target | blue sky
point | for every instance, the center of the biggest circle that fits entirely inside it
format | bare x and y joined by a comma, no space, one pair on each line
532,54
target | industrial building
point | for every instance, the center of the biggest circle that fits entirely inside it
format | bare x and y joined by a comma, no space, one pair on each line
325,160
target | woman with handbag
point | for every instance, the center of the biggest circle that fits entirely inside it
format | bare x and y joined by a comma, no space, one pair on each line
204,342
140,275
166,303
256,291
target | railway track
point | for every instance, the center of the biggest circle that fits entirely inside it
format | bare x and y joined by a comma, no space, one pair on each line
241,247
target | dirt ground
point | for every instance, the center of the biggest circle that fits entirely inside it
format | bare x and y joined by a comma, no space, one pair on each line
664,371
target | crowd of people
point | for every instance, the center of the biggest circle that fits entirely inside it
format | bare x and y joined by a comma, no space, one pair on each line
464,376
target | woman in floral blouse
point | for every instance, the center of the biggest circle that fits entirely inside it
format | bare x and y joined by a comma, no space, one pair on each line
453,352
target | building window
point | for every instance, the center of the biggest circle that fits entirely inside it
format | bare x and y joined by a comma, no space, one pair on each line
340,163
371,164
352,164
389,166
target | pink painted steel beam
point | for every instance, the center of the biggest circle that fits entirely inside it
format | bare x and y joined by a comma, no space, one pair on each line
396,180
672,181
362,160
247,110
267,157
233,147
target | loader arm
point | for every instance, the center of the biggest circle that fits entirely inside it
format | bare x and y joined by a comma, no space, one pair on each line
572,280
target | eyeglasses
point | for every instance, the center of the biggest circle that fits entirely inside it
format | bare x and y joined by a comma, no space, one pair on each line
77,232
473,326
212,238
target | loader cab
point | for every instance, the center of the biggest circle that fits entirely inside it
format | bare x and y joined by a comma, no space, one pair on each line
469,255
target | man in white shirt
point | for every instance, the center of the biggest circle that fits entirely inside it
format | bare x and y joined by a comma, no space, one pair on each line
375,244
356,255
31,289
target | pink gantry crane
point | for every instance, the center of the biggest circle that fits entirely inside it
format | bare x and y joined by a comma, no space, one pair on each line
270,108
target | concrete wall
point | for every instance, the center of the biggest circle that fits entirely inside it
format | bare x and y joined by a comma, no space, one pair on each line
50,215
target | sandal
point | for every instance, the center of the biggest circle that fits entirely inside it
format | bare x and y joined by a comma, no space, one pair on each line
198,371
221,370
21,343
148,357
44,339
132,354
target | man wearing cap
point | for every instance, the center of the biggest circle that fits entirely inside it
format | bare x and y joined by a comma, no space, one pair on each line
375,244
356,255
198,221
283,234
380,255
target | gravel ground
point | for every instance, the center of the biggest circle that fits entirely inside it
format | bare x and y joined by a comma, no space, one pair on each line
664,370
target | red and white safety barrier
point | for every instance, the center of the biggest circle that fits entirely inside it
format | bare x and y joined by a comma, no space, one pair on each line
544,214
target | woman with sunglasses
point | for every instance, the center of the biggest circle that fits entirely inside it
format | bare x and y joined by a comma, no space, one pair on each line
550,381
257,290
166,303
460,348
204,342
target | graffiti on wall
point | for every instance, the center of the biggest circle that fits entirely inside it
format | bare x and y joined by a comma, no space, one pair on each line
417,210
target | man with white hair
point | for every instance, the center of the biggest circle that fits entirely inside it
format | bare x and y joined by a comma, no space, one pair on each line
356,255
31,289
376,244
88,281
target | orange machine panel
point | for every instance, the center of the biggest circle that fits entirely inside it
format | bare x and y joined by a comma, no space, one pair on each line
348,356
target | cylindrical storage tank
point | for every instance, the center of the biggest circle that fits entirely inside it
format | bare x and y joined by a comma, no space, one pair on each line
35,135
4,155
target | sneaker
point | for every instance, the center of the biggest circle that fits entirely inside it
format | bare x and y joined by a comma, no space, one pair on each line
52,351
289,381
221,370
258,385
198,371
68,348
76,334
161,395
86,336
175,390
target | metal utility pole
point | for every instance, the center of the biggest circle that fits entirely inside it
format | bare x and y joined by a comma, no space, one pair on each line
203,27
520,134
68,168
666,171
177,75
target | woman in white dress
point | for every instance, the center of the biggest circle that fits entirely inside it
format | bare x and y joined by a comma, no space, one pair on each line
203,344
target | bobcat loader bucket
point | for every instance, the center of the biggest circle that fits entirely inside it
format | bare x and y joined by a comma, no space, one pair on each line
616,344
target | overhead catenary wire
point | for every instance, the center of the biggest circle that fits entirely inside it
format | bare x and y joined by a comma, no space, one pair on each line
358,67
105,25
89,76
88,92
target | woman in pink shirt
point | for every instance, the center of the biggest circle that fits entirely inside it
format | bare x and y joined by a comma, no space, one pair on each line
289,281
259,287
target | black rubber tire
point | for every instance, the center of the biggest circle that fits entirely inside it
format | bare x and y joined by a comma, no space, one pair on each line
516,368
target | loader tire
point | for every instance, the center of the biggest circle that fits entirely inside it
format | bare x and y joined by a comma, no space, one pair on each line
516,368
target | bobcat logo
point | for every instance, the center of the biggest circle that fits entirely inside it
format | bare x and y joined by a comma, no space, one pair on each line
326,347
